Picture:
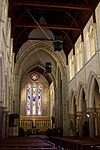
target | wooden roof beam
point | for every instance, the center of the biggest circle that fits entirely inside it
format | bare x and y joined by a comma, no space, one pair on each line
51,5
49,26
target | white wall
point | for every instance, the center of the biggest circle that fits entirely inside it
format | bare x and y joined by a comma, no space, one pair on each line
89,65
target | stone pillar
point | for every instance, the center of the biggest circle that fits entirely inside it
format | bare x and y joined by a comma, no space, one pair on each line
73,125
98,121
17,98
60,124
2,5
4,123
0,78
91,121
56,108
1,122
80,121
5,126
65,108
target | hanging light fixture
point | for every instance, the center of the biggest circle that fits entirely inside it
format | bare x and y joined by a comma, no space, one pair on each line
58,43
48,67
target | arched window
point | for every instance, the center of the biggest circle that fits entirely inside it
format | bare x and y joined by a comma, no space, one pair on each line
39,100
28,99
79,57
34,99
71,64
90,43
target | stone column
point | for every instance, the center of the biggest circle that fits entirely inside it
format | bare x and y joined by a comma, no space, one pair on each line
60,110
2,5
5,126
65,107
80,120
4,123
56,102
98,121
0,78
91,121
56,108
1,122
17,98
73,120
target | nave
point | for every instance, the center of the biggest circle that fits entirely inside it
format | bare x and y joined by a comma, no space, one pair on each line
42,142
27,143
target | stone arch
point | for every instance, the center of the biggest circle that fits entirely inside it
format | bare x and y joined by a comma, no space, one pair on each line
72,103
82,119
92,81
80,95
46,48
93,104
27,54
40,46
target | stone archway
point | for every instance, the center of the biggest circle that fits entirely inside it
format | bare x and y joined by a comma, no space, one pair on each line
72,114
82,118
93,104
58,64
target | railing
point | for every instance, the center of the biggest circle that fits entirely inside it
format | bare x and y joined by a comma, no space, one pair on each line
42,125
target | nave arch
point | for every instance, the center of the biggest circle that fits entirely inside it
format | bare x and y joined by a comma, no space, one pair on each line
72,113
22,67
86,102
93,104
38,46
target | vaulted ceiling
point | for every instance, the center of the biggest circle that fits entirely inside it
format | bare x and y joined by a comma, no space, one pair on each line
65,18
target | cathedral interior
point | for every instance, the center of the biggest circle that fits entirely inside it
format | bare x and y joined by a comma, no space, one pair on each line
50,67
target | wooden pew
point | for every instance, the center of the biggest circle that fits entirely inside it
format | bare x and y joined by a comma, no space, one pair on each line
77,143
29,148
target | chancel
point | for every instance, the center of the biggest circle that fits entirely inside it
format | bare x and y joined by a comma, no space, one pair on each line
49,74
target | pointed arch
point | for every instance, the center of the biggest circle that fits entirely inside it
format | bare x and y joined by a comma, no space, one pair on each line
72,103
80,96
91,88
28,99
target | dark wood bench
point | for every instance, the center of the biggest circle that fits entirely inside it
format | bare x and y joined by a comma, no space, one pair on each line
29,149
77,143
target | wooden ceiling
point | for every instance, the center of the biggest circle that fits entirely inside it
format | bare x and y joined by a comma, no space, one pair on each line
65,18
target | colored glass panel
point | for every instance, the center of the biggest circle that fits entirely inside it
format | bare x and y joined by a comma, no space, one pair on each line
34,100
39,100
28,99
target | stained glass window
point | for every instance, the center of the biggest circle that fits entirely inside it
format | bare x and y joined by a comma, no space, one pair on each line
34,100
28,99
39,100
34,77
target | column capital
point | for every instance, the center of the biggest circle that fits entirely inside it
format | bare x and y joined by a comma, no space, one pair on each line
80,113
72,115
18,76
3,108
98,110
1,103
92,110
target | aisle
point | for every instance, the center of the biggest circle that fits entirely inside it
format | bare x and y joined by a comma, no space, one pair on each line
27,143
